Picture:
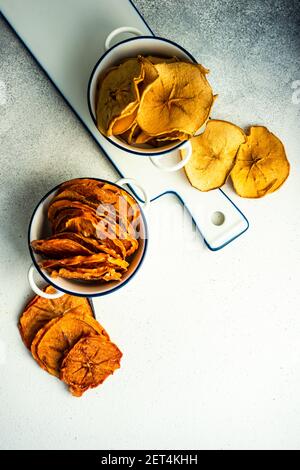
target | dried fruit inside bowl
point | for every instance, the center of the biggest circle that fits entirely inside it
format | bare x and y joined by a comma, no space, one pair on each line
171,101
118,94
180,99
95,232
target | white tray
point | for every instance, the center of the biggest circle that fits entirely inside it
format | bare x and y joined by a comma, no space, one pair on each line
67,38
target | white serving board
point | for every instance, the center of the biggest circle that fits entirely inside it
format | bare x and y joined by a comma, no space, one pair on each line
67,38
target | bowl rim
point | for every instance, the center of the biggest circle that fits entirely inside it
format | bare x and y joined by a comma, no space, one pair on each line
66,291
138,38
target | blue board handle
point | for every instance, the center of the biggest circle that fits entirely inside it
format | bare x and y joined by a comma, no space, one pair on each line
219,221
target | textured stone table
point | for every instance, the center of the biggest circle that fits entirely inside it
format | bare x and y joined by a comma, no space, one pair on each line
210,340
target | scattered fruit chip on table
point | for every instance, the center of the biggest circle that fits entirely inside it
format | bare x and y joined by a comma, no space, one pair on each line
153,101
40,311
91,360
68,342
261,165
214,153
95,232
55,338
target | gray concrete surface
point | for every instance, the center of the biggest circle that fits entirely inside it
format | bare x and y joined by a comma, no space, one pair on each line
252,48
241,388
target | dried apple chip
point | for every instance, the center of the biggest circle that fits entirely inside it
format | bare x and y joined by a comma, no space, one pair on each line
163,139
161,60
130,135
143,138
180,99
123,123
173,136
150,74
89,363
58,336
118,94
214,153
261,165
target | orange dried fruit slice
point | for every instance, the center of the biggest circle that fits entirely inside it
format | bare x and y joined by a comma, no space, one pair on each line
96,260
89,363
40,311
91,190
95,228
62,246
104,273
58,336
92,244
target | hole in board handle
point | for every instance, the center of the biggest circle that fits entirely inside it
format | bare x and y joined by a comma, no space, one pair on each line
218,218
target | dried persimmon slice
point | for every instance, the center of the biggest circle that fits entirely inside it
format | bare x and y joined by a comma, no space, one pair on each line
57,247
103,273
91,222
97,261
58,336
89,363
40,311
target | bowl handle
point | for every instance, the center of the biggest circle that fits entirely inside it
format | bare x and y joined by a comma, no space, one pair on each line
132,182
37,290
117,31
187,146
